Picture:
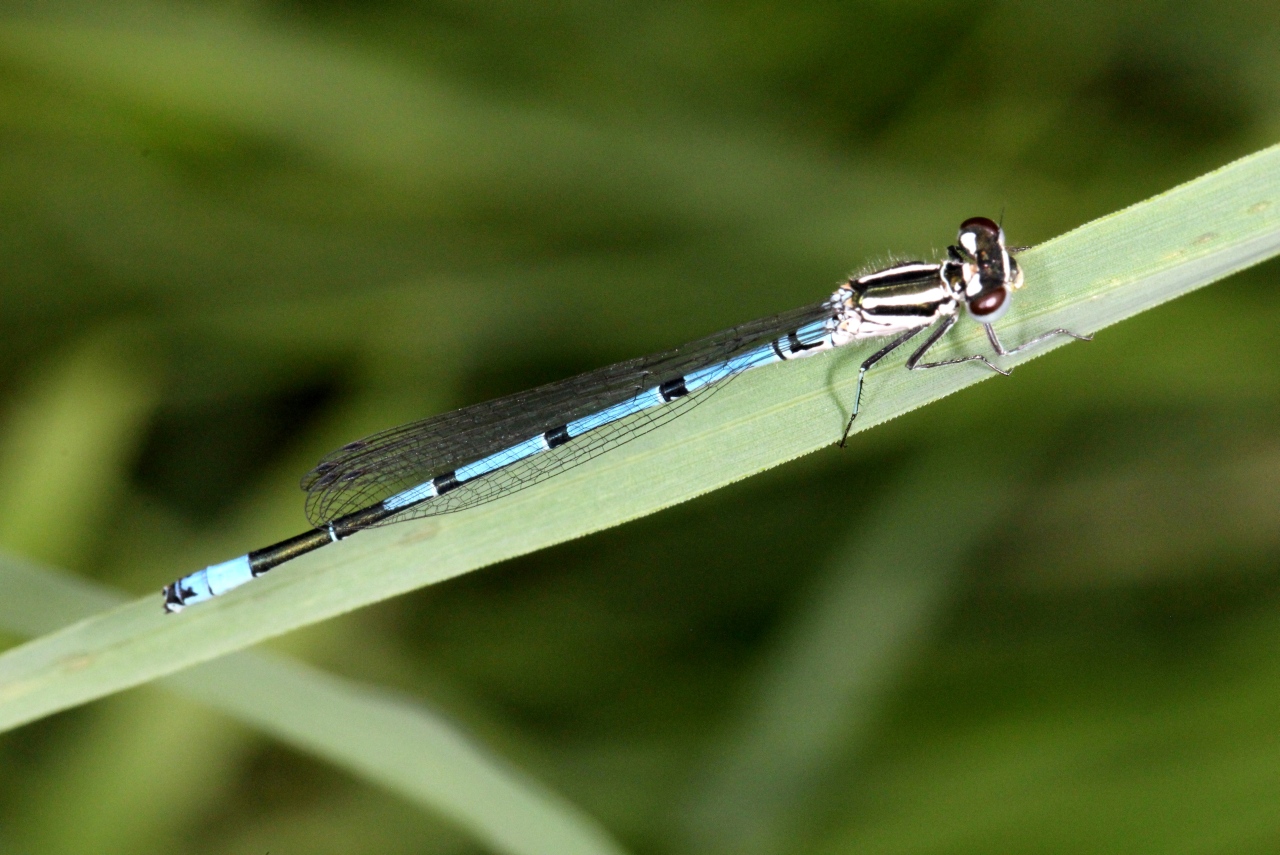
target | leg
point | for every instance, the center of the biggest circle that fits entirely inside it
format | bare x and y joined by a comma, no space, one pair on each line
865,367
914,362
1000,349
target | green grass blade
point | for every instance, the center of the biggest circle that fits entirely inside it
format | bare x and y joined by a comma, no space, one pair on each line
1086,280
396,743
390,741
828,673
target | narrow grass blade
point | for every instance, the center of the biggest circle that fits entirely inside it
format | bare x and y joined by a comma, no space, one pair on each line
390,741
66,442
1086,280
829,672
1057,768
131,774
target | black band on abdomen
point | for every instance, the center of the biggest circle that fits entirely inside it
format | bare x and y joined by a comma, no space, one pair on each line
557,436
673,389
446,482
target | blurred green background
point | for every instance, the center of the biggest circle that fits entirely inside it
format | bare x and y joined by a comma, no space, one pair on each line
1039,616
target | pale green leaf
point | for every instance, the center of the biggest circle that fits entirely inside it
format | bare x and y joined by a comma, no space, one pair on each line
1086,280
391,741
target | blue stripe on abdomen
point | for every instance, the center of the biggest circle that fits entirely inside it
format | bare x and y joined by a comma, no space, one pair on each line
412,496
643,401
212,581
506,457
715,373
812,333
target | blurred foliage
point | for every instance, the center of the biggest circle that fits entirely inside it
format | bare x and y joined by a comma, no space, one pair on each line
236,235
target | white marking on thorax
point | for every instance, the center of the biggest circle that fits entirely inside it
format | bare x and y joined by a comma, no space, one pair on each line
894,272
934,294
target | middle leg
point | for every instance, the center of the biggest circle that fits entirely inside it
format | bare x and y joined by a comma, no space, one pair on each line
866,366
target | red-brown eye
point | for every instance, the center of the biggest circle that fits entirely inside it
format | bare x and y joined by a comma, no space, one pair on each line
980,224
989,305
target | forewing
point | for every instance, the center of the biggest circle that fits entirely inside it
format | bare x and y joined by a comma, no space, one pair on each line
365,472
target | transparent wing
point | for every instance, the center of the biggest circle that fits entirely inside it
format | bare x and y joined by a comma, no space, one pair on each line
363,473
539,467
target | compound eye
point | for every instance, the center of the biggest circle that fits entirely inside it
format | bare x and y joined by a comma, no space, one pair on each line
990,306
980,224
978,233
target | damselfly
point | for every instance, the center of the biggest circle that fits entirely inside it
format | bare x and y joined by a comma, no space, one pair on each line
484,452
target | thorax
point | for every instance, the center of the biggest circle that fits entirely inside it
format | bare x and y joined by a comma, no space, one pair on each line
904,297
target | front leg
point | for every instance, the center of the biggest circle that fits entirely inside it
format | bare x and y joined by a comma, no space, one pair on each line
914,362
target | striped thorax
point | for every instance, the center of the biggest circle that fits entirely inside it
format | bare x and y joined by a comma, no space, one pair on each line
905,297
979,274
